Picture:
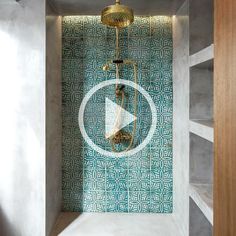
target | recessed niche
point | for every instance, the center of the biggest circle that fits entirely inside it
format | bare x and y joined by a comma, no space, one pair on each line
201,91
201,160
198,223
201,24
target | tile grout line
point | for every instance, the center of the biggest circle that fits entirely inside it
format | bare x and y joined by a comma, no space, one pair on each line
83,141
151,140
128,167
106,210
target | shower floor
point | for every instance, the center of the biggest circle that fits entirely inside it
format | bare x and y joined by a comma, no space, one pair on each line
112,224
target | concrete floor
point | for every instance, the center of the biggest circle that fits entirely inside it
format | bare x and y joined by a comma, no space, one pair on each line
112,224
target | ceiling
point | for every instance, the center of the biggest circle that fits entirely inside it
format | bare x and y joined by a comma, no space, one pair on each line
94,7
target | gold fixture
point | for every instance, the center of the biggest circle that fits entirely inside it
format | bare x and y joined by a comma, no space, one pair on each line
117,15
121,136
120,16
106,67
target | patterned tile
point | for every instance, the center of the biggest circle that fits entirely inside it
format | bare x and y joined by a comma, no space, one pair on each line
161,180
94,201
72,120
94,48
162,51
140,160
72,92
116,163
72,158
94,132
139,48
73,48
72,70
111,32
94,179
139,180
117,201
93,160
117,180
95,183
72,27
161,26
140,27
72,201
161,202
93,27
110,44
139,201
72,180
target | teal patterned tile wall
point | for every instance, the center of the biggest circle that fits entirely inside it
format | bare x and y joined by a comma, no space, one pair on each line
95,183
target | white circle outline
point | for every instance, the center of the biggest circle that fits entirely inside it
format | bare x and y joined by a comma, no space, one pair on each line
150,133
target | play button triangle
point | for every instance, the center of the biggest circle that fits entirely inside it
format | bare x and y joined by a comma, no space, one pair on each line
116,118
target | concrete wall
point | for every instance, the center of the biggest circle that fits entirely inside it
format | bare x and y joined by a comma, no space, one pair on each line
53,118
181,117
201,93
198,224
201,24
201,161
22,102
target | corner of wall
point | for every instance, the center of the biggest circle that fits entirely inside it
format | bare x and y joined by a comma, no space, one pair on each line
53,118
181,117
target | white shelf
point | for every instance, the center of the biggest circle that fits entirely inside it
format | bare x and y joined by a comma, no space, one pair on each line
202,195
202,56
202,128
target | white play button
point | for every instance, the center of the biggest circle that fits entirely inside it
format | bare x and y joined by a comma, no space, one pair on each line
116,118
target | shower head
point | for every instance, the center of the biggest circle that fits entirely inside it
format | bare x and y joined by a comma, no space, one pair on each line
117,15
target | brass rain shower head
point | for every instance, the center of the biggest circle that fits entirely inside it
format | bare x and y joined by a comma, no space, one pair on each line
117,15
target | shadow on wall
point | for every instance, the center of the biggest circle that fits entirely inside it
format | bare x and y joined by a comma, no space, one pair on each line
6,228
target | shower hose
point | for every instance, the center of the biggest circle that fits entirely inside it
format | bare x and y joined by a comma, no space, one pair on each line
118,121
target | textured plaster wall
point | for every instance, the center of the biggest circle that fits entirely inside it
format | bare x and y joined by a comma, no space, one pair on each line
201,22
201,161
140,7
201,93
181,117
198,223
53,118
22,102
91,181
